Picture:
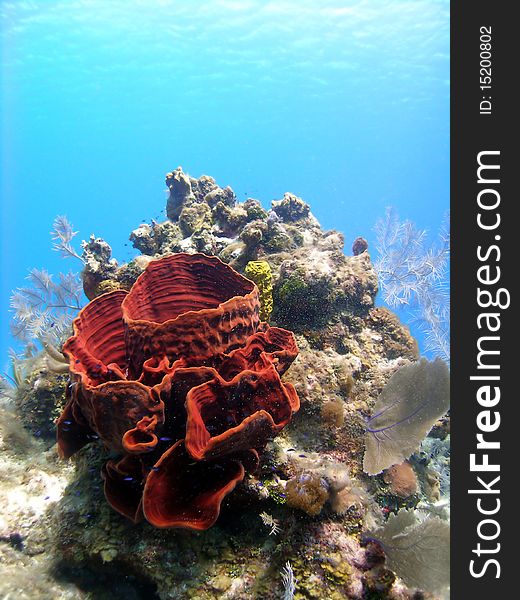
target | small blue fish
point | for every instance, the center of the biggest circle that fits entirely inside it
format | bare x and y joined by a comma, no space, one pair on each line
166,439
128,479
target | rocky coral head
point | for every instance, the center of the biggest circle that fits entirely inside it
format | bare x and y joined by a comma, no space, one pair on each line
181,380
291,208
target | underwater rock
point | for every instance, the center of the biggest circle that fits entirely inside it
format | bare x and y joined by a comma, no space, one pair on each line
127,274
320,284
99,265
180,379
254,210
40,397
202,186
157,239
217,196
143,240
291,208
391,337
253,234
180,193
31,482
108,285
194,218
229,220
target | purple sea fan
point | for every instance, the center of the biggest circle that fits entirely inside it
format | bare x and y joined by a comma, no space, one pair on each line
414,398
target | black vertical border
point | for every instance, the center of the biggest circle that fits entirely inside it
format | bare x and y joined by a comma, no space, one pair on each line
472,133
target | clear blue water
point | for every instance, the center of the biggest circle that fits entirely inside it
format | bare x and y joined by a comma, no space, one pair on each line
345,103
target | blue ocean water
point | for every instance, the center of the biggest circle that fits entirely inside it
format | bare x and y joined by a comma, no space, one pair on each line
344,103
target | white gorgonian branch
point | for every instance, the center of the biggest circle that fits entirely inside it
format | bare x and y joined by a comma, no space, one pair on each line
414,273
62,234
288,581
270,522
45,309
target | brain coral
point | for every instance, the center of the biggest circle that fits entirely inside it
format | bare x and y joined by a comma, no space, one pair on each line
180,379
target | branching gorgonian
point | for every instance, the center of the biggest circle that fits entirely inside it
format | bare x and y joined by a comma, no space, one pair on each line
44,309
62,234
288,582
270,522
414,273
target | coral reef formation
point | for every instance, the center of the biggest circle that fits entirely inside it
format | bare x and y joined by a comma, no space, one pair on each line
304,519
180,378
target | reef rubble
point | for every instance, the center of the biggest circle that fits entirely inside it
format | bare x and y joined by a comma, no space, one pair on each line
309,487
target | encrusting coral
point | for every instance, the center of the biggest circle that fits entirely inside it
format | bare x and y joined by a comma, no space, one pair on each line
307,492
333,412
260,272
402,479
179,377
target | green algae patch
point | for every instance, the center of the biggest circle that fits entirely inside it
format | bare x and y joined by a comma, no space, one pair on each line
301,304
